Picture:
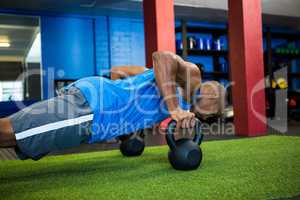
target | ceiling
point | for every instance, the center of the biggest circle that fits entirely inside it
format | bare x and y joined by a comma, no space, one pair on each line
283,13
272,7
276,12
20,32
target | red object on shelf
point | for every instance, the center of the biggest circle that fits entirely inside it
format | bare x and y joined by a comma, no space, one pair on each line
267,104
292,102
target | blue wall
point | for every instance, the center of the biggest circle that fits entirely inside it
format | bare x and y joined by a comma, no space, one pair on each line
76,47
119,41
296,68
102,47
67,50
73,48
127,41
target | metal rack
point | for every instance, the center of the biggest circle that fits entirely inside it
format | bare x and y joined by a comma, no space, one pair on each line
215,54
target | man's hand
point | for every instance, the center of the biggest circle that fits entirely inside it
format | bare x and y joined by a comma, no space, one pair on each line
185,119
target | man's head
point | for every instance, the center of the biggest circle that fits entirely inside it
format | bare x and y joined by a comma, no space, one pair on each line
210,101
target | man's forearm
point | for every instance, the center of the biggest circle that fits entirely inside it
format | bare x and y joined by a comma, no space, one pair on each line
165,66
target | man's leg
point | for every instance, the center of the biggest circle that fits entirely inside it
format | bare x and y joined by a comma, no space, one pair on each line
54,124
7,137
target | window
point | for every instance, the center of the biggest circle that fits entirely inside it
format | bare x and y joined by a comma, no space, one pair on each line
11,90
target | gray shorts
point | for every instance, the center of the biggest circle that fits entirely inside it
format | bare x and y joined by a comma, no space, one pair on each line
54,124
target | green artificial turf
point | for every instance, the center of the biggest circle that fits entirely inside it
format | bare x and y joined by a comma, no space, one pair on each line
255,168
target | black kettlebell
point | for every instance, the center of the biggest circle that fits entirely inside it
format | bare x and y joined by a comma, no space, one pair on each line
185,153
134,145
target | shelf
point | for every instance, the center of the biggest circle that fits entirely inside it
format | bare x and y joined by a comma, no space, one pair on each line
203,30
197,52
287,56
220,31
288,36
282,55
215,74
294,75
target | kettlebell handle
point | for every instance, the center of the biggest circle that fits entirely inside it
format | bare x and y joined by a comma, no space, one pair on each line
170,134
198,132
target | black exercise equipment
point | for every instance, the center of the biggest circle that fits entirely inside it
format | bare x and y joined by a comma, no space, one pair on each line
185,153
132,145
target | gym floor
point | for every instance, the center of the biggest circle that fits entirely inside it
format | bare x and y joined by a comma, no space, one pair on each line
253,168
8,154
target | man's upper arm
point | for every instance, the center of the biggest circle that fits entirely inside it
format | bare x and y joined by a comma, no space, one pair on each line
185,73
189,73
125,71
